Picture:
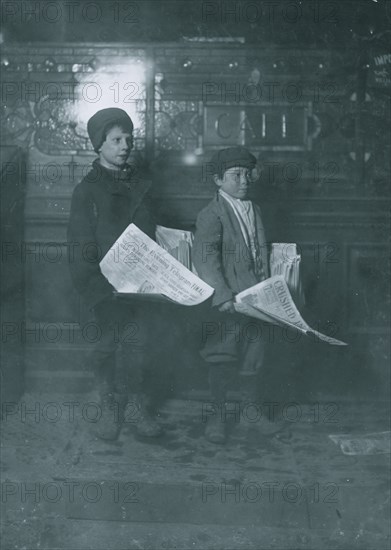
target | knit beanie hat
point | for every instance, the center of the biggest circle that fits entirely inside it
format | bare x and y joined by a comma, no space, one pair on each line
97,124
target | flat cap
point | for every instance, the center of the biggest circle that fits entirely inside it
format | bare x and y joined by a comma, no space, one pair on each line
97,124
232,156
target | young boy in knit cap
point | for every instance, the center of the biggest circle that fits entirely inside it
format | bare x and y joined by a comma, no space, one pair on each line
108,199
230,254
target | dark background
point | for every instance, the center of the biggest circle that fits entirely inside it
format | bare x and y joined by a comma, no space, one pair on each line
324,185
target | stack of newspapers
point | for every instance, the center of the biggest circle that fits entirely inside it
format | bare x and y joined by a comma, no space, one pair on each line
285,261
177,242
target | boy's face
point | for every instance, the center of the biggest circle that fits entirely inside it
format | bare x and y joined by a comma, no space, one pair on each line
116,148
236,182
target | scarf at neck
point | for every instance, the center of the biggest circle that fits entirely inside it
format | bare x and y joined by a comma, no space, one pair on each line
244,213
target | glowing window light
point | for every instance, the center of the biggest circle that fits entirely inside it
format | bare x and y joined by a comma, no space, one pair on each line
190,159
119,85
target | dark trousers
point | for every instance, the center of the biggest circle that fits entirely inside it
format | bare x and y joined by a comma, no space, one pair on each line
129,354
233,349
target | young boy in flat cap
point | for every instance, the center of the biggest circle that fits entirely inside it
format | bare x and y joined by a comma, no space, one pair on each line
230,254
108,199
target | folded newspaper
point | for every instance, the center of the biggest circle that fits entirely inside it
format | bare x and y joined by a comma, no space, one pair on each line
136,264
272,302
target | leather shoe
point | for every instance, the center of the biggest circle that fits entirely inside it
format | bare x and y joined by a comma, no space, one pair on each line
215,430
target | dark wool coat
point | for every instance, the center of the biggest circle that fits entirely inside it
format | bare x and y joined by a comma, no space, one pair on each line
103,205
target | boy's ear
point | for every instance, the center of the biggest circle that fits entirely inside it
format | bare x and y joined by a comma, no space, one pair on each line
217,180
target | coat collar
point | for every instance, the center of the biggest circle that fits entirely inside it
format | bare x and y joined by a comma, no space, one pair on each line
126,182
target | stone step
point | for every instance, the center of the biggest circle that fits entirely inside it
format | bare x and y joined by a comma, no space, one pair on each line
64,534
